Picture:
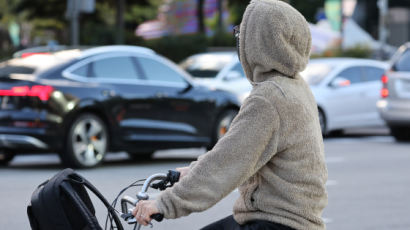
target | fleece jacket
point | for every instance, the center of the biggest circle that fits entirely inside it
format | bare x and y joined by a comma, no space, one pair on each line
273,152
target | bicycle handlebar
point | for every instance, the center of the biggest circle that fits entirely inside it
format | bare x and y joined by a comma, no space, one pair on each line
164,179
143,194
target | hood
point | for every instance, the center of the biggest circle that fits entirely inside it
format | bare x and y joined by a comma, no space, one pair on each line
274,38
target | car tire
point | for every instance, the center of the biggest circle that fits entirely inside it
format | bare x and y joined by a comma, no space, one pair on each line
6,157
400,133
322,121
86,142
139,156
221,126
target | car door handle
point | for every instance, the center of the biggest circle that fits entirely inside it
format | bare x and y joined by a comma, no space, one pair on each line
161,95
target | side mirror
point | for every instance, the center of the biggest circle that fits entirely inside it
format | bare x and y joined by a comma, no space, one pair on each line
339,82
232,75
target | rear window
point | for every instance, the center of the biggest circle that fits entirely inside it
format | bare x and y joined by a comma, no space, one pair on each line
7,70
403,63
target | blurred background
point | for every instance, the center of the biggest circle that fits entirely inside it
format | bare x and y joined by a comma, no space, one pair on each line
122,89
340,28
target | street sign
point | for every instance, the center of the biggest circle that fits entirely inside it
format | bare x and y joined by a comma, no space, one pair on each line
87,6
74,7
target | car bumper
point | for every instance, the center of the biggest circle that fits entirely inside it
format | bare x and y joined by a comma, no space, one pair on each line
12,141
395,112
27,140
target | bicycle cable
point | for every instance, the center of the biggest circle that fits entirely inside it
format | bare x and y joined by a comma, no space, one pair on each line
114,203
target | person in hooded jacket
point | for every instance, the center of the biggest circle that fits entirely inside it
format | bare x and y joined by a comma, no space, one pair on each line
273,152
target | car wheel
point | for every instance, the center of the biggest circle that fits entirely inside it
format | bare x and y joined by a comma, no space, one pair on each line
400,133
87,142
322,121
140,156
222,126
5,157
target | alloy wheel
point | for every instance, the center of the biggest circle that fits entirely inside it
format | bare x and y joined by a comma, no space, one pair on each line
322,121
88,141
225,123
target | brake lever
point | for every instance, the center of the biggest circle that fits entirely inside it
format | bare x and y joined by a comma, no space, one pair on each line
172,178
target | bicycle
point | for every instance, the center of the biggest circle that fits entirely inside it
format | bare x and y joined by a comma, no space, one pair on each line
162,180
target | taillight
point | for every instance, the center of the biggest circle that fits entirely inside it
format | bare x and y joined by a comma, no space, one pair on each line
43,92
384,91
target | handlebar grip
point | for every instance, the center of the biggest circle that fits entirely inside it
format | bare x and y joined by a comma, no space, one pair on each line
173,176
158,217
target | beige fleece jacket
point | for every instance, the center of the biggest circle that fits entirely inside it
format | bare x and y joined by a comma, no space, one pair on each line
273,150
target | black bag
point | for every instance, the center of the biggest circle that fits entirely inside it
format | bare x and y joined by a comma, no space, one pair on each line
62,203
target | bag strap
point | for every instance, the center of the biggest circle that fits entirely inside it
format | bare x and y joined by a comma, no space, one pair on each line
110,209
68,189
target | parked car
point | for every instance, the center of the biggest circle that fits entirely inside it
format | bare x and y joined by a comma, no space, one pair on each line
394,105
220,70
346,91
41,50
83,103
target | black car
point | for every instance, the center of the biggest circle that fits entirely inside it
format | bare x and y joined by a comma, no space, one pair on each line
83,103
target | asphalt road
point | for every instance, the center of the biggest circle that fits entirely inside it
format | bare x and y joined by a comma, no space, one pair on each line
368,186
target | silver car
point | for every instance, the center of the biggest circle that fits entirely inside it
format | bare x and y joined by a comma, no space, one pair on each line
219,70
394,105
346,91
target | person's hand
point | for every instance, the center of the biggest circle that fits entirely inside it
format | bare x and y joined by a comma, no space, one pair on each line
143,211
183,171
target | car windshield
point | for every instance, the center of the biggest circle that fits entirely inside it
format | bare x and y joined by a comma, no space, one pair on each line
316,72
206,65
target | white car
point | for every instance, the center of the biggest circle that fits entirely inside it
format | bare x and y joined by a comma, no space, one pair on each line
219,70
346,91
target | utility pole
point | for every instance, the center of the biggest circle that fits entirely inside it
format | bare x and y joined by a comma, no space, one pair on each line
74,14
383,32
120,22
220,18
200,16
342,20
74,8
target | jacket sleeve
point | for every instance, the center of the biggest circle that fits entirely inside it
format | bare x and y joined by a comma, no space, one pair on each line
236,157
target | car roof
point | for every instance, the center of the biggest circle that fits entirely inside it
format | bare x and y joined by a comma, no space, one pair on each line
117,48
216,53
346,61
44,60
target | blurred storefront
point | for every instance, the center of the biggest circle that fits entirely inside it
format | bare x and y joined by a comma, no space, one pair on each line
366,14
177,17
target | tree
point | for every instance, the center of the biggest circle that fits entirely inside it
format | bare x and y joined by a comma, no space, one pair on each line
308,8
111,22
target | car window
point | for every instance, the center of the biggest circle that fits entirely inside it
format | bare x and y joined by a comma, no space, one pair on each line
403,63
206,65
157,71
83,71
238,68
373,73
114,67
316,72
353,74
